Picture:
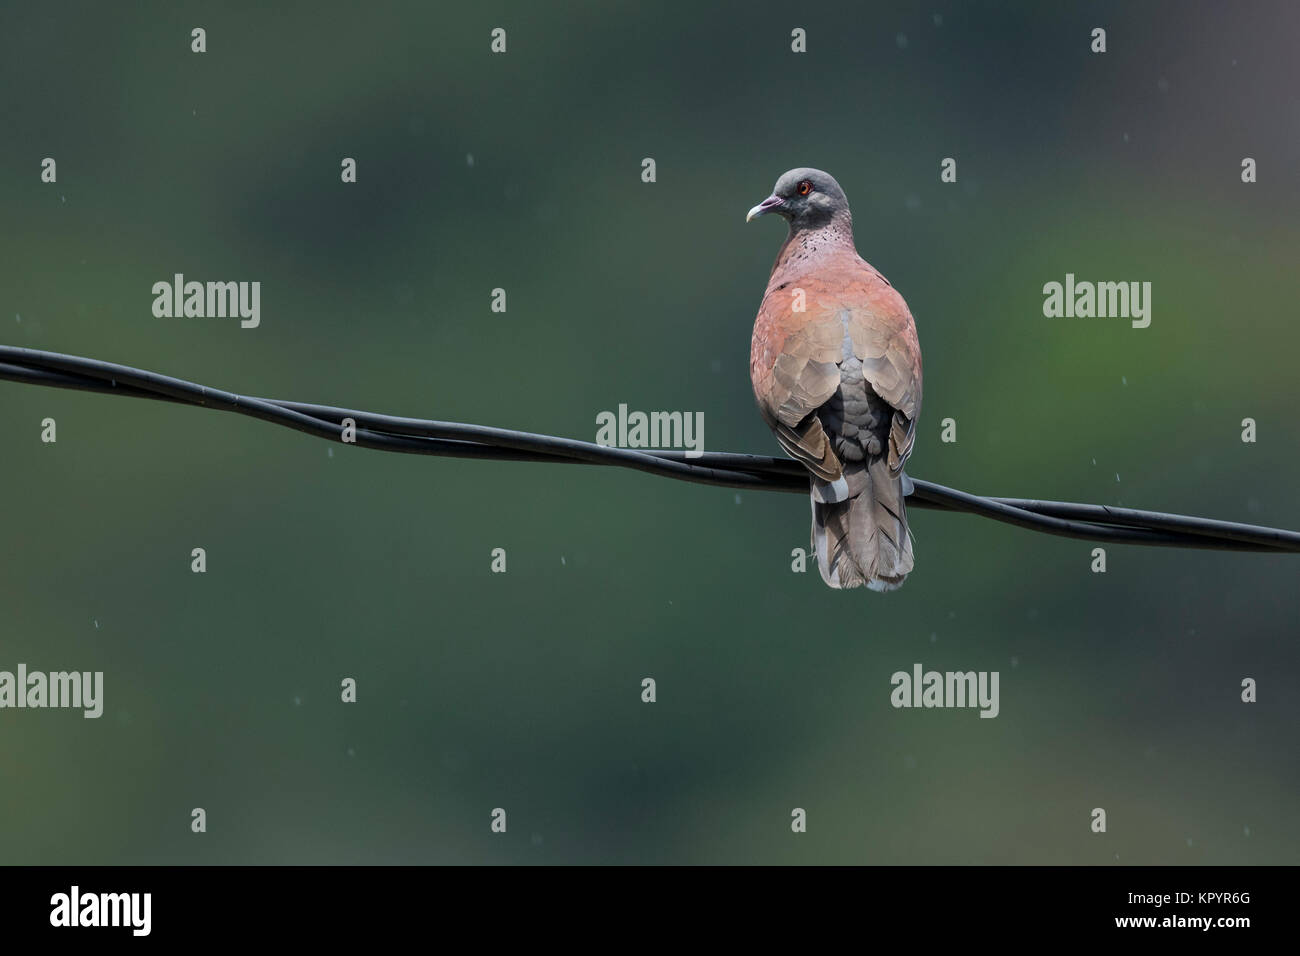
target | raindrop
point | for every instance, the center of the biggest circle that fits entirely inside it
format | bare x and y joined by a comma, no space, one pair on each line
469,159
562,561
901,40
737,499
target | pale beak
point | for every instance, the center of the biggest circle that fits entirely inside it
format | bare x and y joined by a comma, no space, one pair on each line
766,206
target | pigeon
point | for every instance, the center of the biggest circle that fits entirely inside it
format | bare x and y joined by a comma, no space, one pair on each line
836,369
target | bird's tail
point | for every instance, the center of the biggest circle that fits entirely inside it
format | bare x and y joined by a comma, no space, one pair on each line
859,528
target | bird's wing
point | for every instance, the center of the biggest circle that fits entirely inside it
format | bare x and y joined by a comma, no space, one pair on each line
846,309
805,350
884,339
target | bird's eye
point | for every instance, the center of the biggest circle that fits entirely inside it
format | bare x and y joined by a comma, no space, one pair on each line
804,188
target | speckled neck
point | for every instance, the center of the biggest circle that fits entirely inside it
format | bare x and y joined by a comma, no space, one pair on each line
804,246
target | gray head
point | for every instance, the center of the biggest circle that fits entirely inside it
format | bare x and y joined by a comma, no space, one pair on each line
806,198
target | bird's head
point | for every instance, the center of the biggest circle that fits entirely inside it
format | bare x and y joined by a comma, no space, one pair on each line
806,198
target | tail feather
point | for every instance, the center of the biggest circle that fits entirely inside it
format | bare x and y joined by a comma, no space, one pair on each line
862,538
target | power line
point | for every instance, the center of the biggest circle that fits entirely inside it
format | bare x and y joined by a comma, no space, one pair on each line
456,440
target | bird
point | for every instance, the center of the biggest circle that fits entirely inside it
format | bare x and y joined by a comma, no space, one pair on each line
836,367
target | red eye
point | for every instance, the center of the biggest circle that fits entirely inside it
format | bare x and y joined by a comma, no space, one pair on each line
804,188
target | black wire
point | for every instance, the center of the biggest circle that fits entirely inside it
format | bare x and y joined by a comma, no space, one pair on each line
143,384
454,439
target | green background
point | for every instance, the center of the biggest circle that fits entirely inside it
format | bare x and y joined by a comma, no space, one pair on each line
522,690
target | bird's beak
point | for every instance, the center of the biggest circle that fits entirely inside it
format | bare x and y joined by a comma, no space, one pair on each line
766,206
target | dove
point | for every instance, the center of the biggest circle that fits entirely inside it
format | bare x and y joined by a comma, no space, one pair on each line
836,369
